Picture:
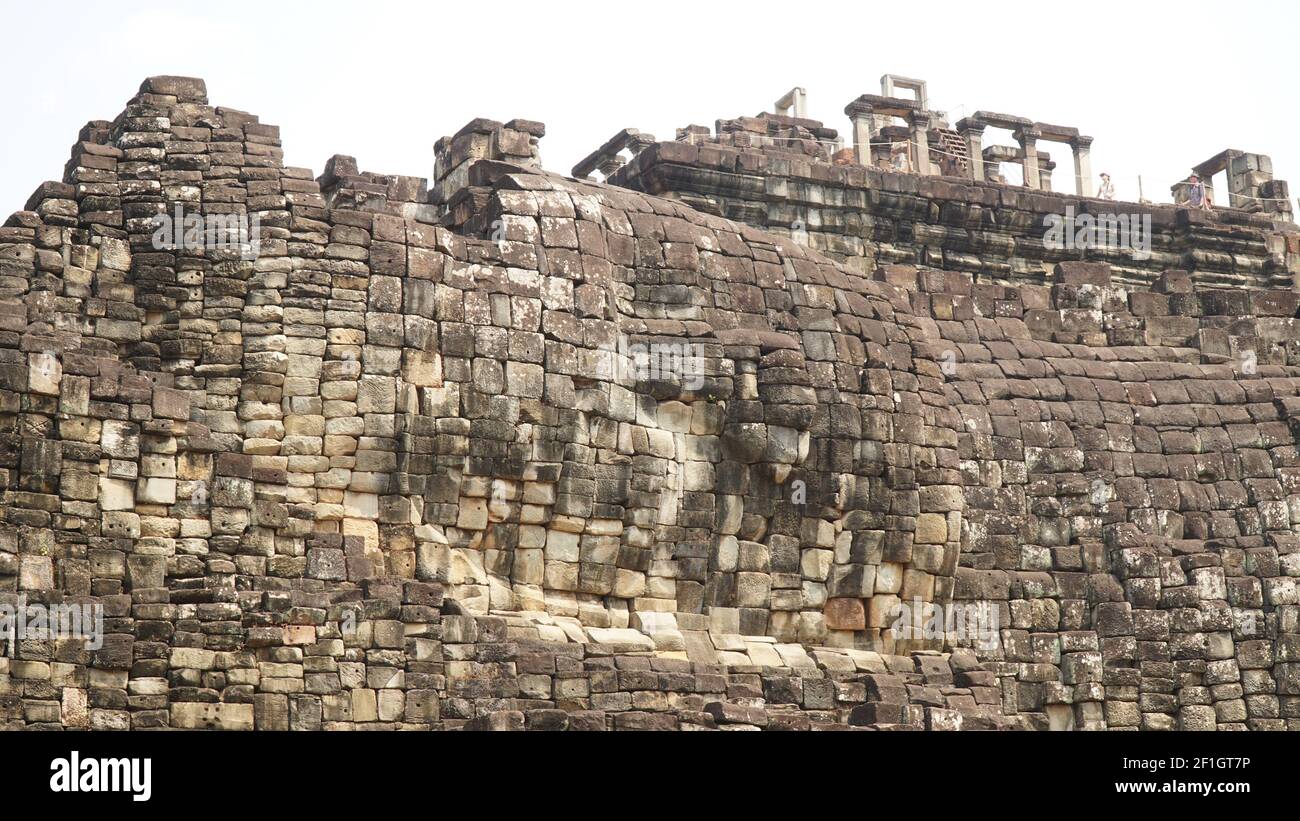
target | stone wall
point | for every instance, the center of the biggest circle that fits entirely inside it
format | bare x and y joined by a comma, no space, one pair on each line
782,175
404,465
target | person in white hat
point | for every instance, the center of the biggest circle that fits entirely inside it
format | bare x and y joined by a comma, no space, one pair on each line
1197,195
1107,190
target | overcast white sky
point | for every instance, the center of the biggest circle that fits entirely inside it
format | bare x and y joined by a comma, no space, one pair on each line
1160,85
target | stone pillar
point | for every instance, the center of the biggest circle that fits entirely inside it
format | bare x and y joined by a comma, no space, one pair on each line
640,142
800,103
862,132
1028,138
974,136
609,165
794,103
1082,166
920,122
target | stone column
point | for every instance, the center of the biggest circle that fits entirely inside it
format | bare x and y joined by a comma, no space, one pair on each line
974,136
862,135
800,103
611,164
794,103
1082,166
639,143
1028,138
920,122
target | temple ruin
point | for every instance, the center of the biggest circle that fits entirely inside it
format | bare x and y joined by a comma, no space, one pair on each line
761,430
913,189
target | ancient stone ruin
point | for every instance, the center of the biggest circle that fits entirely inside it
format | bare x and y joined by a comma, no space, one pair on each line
763,431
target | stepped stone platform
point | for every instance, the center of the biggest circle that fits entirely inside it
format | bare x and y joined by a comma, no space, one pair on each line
513,450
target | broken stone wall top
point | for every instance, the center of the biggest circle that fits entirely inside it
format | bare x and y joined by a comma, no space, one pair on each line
864,205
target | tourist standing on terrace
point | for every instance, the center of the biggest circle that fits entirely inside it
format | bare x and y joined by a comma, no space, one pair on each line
1197,196
1107,190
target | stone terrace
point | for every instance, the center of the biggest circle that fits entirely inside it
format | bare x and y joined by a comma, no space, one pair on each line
399,468
927,194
